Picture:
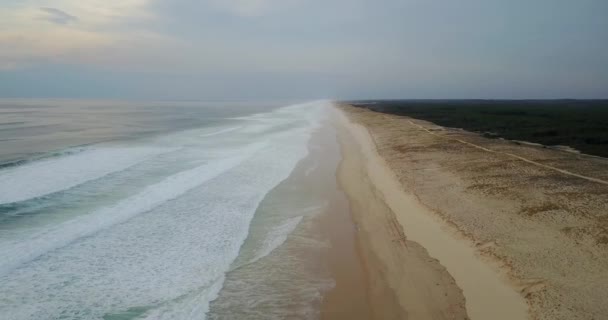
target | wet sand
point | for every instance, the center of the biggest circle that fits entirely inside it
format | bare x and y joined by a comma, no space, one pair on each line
317,272
349,299
404,281
370,256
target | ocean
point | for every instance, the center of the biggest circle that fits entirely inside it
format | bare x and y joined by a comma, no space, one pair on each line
163,210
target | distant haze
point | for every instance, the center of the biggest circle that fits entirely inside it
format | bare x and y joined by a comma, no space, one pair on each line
303,49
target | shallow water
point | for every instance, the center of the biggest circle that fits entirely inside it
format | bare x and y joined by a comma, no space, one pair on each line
282,271
159,219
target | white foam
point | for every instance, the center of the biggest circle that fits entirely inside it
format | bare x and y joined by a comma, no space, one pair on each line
163,258
218,132
48,176
20,251
276,237
194,306
169,261
312,168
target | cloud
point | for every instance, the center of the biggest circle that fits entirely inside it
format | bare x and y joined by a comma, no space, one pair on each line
24,48
36,32
252,8
57,16
398,45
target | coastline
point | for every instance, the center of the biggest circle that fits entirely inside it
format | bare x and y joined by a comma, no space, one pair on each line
428,270
404,282
314,270
528,216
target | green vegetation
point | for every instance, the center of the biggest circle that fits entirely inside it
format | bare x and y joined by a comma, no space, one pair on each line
580,124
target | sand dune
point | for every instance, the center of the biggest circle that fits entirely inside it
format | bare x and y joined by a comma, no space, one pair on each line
520,229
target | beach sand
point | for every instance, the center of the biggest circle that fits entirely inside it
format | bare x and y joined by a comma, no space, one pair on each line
378,273
453,225
349,299
404,282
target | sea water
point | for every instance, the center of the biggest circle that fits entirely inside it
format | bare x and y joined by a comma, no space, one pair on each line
115,210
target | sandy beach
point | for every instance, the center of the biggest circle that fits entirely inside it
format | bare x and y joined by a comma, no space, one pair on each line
451,225
404,281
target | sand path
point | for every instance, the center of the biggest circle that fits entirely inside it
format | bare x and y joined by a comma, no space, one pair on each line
566,172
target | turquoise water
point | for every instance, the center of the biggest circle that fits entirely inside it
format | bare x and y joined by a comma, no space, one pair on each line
122,211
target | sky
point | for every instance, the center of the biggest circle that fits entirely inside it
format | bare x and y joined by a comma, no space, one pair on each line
303,49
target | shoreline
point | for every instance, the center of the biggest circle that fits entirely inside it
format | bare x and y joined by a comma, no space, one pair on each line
349,298
312,269
423,267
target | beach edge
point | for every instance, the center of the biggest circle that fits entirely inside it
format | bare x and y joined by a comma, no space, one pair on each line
436,260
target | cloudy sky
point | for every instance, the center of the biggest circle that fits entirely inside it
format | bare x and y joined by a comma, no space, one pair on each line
267,49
